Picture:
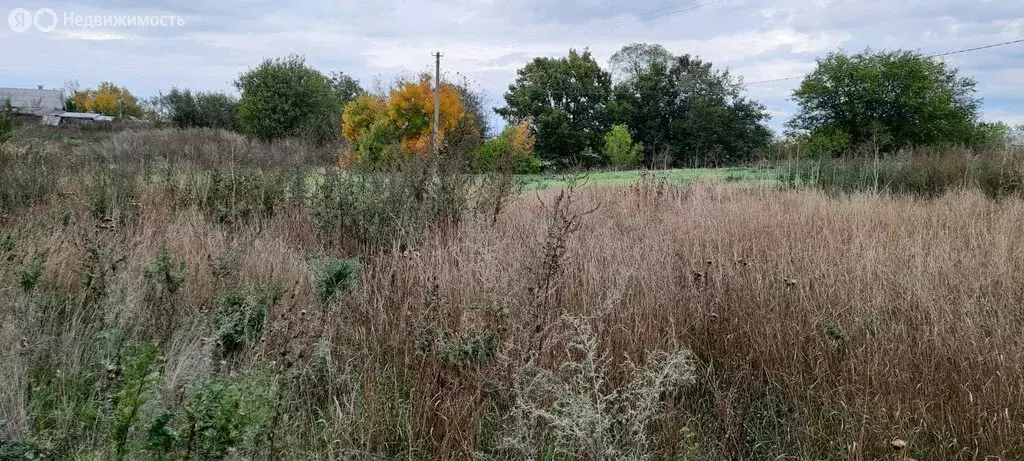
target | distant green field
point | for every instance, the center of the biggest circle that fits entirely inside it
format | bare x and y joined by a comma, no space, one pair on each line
678,176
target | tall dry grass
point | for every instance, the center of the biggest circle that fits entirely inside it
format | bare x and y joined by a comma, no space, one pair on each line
714,321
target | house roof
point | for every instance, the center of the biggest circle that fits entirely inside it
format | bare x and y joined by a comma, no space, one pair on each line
32,101
87,116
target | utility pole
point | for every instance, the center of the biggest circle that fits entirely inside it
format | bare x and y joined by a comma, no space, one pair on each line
437,101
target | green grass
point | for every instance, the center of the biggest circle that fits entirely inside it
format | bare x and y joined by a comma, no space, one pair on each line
681,176
676,177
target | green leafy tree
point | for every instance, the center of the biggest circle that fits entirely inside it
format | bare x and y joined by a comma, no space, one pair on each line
997,134
200,110
620,149
635,59
890,99
345,87
686,113
826,141
567,101
512,151
475,111
285,97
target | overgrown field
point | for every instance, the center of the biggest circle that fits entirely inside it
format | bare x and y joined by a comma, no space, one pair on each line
188,296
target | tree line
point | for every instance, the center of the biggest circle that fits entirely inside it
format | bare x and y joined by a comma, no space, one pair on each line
649,107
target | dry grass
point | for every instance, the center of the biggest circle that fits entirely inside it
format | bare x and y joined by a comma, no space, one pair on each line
819,327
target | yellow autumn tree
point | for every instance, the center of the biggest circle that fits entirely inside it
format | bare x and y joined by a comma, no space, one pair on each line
411,108
522,139
107,99
405,117
512,149
359,114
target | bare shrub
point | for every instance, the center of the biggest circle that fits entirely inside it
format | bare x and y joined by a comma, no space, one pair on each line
575,412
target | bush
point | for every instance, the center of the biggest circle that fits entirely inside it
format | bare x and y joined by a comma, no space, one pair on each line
165,271
6,121
392,206
140,381
996,172
285,97
240,315
200,110
7,243
27,175
619,148
240,197
511,151
334,276
222,416
379,145
30,274
825,142
576,413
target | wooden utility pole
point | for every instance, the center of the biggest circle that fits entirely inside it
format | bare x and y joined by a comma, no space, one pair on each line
437,101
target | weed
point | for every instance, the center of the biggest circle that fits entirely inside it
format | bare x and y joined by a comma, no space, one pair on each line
472,346
564,218
161,436
111,193
100,265
923,173
240,315
30,274
334,276
7,244
767,426
6,120
222,416
578,413
393,207
166,272
223,266
884,293
28,175
66,407
141,377
238,197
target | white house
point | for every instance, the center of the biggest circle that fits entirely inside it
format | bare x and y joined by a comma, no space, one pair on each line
38,102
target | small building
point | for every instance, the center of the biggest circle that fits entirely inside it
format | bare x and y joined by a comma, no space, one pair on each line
48,105
34,102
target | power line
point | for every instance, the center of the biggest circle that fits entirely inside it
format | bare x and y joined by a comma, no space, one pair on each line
660,12
937,55
967,50
774,80
783,79
795,77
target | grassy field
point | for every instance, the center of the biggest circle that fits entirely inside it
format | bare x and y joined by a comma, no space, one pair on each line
215,314
676,177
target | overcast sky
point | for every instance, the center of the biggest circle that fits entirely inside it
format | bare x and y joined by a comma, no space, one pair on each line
487,40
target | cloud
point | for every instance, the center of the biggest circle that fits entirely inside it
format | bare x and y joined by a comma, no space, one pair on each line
487,40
